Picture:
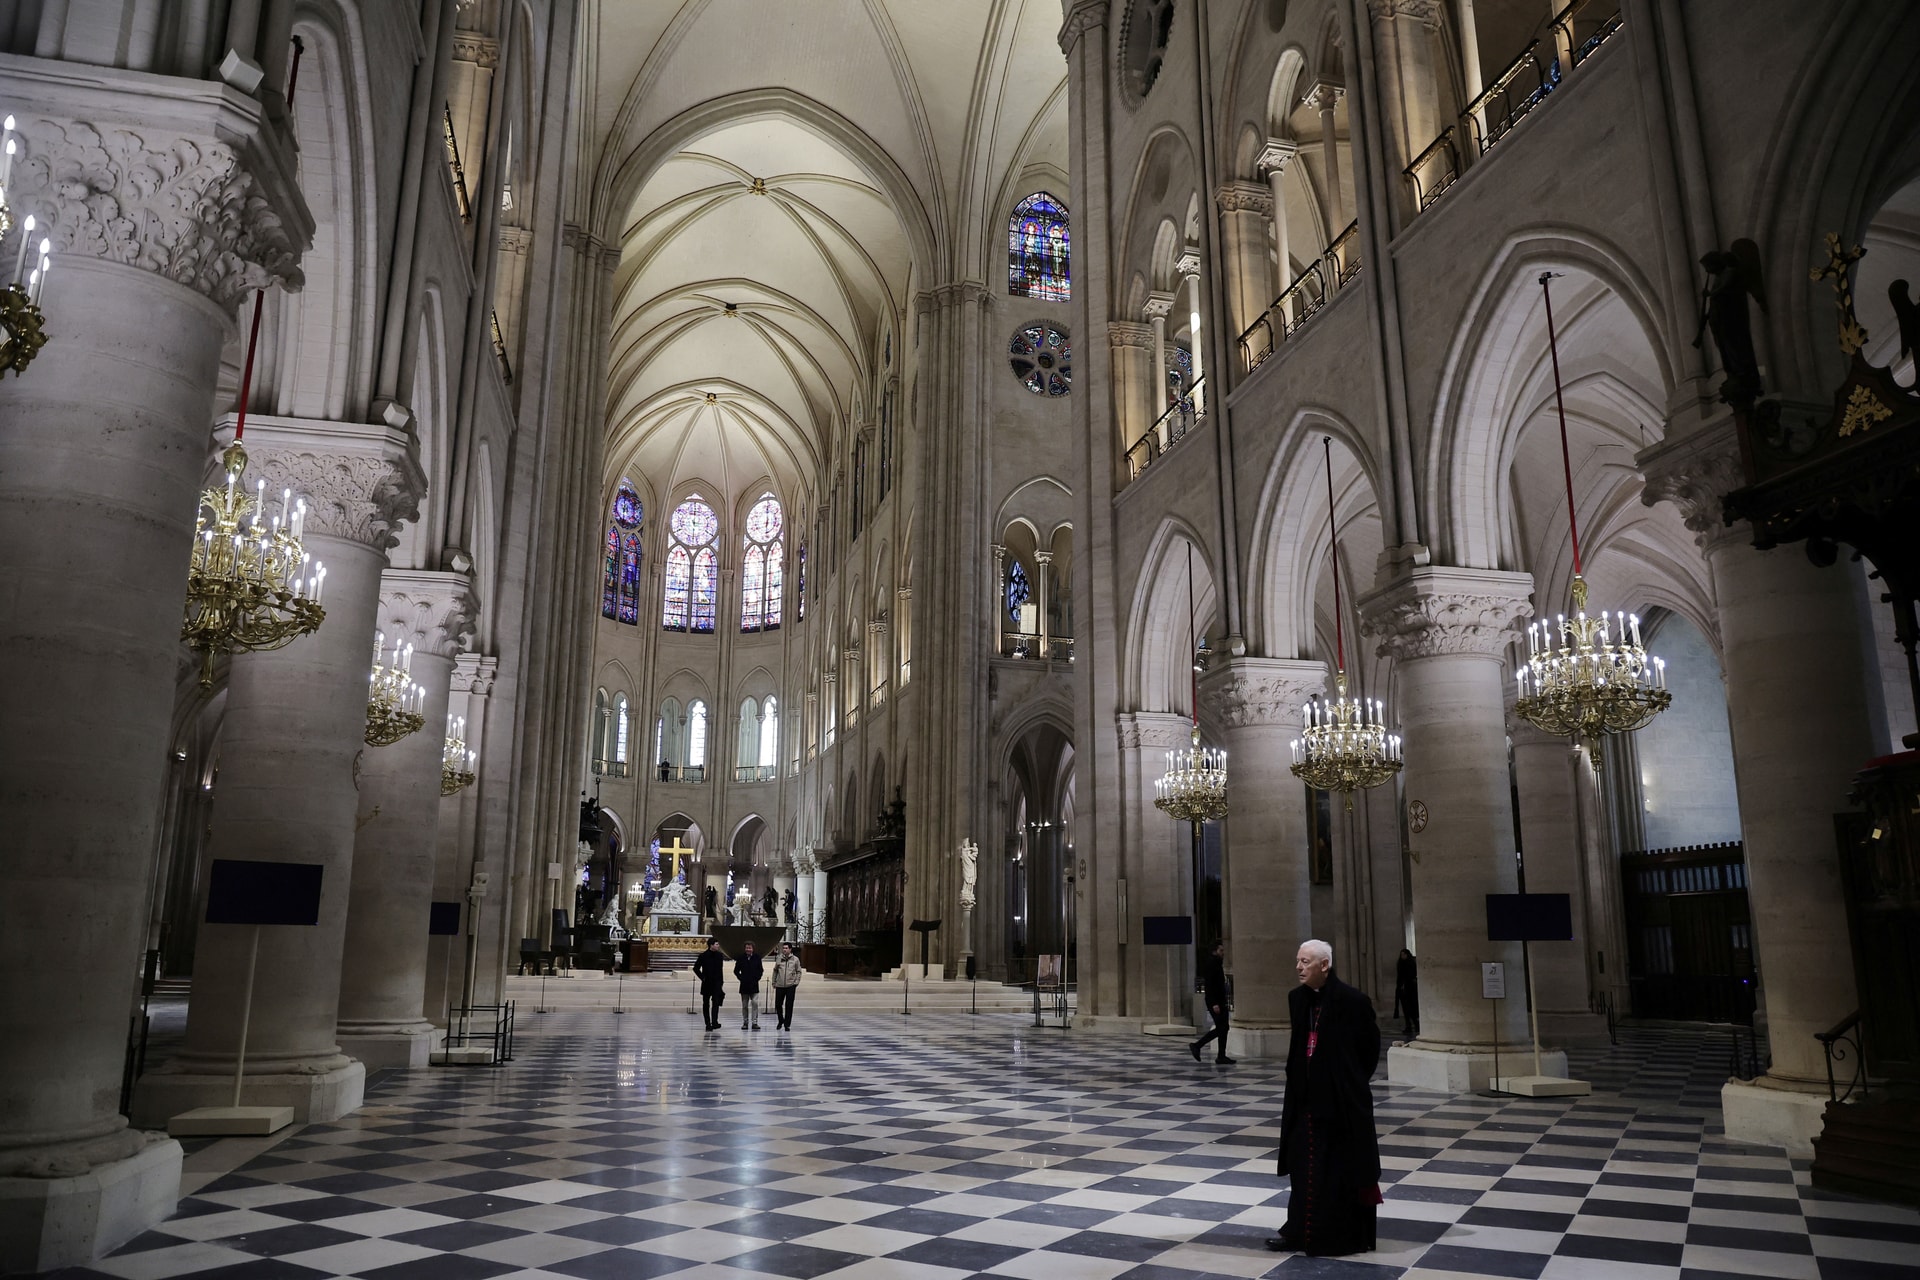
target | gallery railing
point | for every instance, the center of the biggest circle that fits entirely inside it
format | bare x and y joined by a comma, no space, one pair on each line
1841,1043
1171,428
755,772
1302,300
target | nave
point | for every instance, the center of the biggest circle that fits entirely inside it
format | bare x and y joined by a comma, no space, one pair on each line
867,1147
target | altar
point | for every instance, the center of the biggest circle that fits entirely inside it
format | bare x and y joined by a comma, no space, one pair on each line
673,923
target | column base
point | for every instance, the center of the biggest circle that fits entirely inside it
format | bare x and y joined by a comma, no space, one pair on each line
1773,1113
403,1047
1259,1042
1465,1068
49,1223
315,1098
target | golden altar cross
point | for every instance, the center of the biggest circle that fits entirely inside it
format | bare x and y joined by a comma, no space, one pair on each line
675,850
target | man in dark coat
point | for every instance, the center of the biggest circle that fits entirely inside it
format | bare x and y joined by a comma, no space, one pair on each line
710,967
749,969
1213,986
1327,1142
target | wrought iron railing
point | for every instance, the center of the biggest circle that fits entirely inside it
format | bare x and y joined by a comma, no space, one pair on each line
613,768
1170,429
1572,36
1343,255
755,772
680,773
1310,291
1841,1043
500,348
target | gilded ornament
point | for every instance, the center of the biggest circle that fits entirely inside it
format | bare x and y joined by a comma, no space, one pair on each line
1863,410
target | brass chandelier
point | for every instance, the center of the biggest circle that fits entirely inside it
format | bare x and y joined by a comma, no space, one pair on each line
1343,745
393,699
1194,787
1586,675
251,584
456,762
21,320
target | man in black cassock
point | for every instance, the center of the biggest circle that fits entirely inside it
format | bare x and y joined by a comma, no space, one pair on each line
1327,1142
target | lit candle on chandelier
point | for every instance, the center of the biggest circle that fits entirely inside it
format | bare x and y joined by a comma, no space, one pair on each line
20,260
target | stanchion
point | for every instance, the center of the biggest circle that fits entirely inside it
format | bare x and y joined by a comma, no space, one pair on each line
906,985
976,994
691,989
543,995
620,992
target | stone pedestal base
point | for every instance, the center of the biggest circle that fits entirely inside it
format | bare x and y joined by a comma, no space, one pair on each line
1466,1070
49,1223
1258,1042
1771,1113
376,1049
316,1098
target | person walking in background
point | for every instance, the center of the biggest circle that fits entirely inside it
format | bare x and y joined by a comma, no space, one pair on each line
1327,1142
710,969
749,969
1213,987
786,980
1406,992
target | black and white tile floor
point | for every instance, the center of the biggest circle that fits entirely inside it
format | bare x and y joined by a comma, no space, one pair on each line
868,1147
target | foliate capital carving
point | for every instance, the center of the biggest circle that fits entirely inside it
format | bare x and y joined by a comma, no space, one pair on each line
1188,263
1082,17
1426,12
1276,156
1123,334
1435,611
1158,307
361,481
1323,95
433,610
180,206
1695,473
1251,692
471,46
474,673
1245,197
1150,730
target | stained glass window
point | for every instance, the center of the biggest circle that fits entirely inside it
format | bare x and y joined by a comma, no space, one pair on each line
1018,593
762,573
1042,358
800,585
1179,375
770,733
1038,249
620,576
692,579
697,735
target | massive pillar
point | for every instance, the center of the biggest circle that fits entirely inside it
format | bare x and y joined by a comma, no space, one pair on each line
383,971
1447,631
456,853
1256,702
1796,703
166,202
292,748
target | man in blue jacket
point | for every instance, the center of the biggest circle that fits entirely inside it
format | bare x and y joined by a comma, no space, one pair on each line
748,968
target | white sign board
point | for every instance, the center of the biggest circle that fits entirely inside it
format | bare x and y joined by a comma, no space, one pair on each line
1493,980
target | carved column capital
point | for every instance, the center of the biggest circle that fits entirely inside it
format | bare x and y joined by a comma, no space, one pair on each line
1150,730
1694,472
1323,95
1082,16
1425,12
1251,692
1123,334
474,673
183,179
433,610
480,50
361,481
1159,306
1436,611
1276,156
1245,197
1188,263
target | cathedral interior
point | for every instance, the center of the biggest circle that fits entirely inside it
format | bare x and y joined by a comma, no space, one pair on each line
1001,495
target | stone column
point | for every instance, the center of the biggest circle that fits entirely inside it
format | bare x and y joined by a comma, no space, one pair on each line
1188,267
292,748
783,873
1272,165
1792,651
1043,570
1159,307
1403,33
383,971
473,677
1157,865
167,202
803,892
1551,776
1246,211
1324,97
996,607
1447,631
819,900
1133,347
1256,702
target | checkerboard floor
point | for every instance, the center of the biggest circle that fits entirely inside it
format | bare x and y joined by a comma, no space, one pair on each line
867,1147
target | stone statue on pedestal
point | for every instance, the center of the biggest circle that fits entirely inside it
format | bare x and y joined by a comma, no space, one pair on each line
742,905
969,870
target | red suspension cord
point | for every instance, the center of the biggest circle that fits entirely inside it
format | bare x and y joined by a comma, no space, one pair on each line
246,374
1566,458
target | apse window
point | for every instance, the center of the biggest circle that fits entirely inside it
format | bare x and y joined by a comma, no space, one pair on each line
620,577
1042,358
762,569
1039,250
692,588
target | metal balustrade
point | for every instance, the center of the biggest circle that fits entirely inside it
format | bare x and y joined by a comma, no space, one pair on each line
1172,427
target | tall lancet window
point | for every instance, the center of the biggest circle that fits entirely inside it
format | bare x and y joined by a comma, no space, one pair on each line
762,575
693,573
620,585
1038,250
697,735
770,733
